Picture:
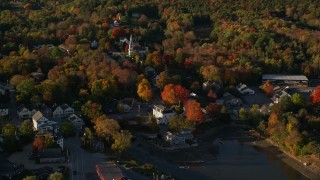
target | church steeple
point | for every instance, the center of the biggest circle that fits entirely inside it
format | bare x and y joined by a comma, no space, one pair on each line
130,50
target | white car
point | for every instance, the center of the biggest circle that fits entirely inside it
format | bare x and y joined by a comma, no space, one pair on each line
243,89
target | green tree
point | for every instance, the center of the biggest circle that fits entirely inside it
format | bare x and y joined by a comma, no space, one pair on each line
9,130
26,130
286,104
91,110
88,136
67,129
25,90
177,123
103,89
56,176
122,141
298,101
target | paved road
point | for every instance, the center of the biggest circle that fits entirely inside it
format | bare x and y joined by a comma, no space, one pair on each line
84,162
81,161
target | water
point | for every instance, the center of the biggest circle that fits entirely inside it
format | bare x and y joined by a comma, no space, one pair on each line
234,160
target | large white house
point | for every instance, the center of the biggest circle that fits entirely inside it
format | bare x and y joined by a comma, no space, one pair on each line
179,138
77,122
24,112
162,114
62,111
41,123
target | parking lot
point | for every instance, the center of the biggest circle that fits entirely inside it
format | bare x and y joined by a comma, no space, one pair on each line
258,98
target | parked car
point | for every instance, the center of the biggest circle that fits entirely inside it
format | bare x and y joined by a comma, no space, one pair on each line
243,89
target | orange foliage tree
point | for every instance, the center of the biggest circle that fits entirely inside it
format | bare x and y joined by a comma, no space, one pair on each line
168,94
194,111
173,94
315,96
268,88
273,122
144,90
38,142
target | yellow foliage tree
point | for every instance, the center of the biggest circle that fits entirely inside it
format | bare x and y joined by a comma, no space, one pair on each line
144,90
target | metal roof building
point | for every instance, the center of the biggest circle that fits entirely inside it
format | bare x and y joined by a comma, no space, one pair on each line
109,171
283,79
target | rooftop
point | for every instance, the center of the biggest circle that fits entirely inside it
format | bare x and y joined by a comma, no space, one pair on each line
109,171
50,153
284,77
37,116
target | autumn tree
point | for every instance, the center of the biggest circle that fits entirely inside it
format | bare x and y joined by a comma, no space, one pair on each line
16,79
162,79
168,94
294,142
144,90
117,32
30,178
103,88
194,111
276,129
315,96
181,93
173,94
106,128
211,73
273,122
56,176
268,88
214,110
122,141
38,143
91,110
212,95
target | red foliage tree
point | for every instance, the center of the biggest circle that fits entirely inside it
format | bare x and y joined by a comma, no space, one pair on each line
212,95
194,111
38,142
173,94
182,94
315,96
117,32
214,110
268,88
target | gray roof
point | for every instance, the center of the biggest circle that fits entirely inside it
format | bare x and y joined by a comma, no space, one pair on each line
37,116
284,77
50,153
64,106
159,106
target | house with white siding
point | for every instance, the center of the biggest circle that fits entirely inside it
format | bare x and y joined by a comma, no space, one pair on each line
77,122
62,111
162,114
41,123
25,112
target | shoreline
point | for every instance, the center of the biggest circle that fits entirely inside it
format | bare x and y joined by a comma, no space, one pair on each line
253,138
293,161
